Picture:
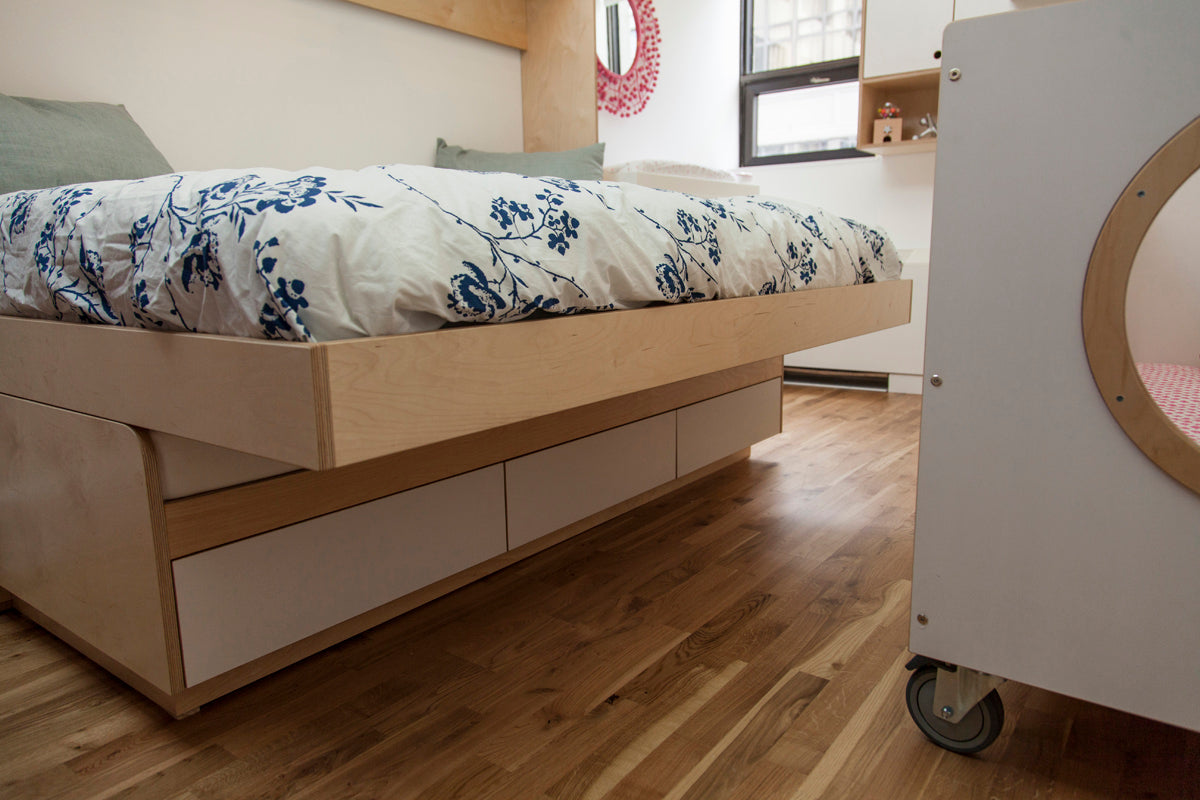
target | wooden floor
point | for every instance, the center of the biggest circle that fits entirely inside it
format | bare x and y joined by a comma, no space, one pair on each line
743,638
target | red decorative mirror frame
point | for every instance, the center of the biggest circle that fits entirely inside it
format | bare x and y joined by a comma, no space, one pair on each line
626,94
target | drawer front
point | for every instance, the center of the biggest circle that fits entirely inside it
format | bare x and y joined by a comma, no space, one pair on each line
555,487
251,597
712,429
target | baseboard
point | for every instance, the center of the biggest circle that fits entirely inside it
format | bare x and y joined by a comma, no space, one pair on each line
834,378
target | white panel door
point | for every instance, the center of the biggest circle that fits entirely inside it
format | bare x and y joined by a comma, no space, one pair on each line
903,36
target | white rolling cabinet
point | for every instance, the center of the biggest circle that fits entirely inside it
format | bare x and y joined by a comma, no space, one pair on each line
903,36
1049,549
899,352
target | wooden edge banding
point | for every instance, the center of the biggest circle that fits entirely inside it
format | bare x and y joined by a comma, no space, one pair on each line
193,697
6,600
1103,312
321,407
208,520
162,562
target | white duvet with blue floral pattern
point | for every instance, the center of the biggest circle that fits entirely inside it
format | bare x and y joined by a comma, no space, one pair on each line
324,254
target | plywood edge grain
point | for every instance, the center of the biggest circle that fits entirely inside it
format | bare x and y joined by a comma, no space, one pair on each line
162,562
500,21
251,395
396,393
215,518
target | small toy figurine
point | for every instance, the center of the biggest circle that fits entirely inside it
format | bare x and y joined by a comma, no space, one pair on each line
888,111
930,124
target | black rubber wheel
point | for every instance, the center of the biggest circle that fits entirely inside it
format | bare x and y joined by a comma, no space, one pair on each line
972,733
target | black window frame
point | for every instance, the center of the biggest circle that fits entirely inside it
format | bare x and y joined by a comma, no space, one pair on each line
753,84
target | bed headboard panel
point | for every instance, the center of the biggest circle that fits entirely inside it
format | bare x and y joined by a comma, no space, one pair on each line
558,63
501,21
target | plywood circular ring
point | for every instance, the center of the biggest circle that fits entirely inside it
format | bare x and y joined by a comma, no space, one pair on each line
1104,291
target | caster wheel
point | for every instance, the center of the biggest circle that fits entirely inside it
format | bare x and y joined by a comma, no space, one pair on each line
972,733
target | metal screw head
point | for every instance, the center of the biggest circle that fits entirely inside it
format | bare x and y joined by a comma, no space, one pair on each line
935,379
922,619
947,712
955,74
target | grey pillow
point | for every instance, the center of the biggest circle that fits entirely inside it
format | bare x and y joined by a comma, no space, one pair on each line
584,164
47,143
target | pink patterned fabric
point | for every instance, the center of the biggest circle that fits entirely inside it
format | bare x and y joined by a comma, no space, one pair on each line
1176,389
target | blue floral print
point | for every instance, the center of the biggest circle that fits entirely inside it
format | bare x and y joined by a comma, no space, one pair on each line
327,254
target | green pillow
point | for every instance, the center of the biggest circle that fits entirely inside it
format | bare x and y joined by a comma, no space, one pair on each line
584,164
47,143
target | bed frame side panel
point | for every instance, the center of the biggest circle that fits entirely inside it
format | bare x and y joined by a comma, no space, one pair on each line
82,538
260,397
464,380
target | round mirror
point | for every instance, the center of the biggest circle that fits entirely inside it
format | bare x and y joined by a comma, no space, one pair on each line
627,43
1140,276
616,35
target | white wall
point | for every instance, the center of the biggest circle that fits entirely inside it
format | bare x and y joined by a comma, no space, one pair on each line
283,83
693,117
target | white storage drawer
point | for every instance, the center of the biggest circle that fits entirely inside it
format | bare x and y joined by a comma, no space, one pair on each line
716,428
251,597
555,487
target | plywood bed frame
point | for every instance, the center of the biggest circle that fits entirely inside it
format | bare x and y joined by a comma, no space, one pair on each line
93,553
411,465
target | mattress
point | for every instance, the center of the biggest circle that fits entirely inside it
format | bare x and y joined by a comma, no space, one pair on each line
1176,390
322,255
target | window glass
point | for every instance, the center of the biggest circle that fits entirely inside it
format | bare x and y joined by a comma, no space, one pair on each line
807,120
799,86
793,33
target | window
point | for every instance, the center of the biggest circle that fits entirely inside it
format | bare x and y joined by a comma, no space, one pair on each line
799,85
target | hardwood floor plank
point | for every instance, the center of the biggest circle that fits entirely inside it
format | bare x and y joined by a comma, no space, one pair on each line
743,638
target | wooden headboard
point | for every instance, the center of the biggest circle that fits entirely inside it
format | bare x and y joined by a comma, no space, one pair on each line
558,62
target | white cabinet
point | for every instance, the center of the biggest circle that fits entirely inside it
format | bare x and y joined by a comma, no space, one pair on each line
901,64
963,9
903,36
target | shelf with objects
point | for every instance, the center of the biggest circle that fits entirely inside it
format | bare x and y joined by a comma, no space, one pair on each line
906,103
899,73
